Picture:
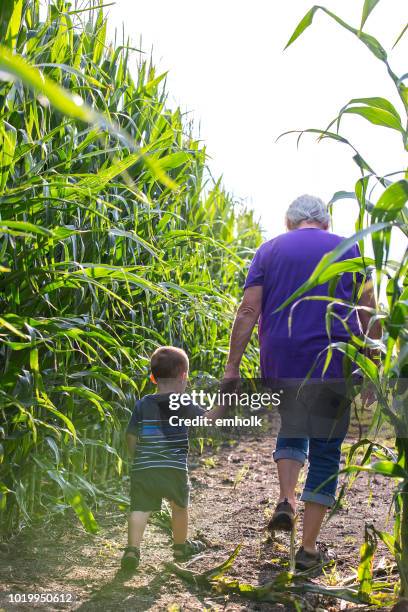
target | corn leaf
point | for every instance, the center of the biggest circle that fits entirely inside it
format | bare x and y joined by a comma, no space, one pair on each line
391,202
370,42
74,497
369,6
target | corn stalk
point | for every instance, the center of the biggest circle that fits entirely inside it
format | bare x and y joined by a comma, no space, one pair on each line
380,222
114,239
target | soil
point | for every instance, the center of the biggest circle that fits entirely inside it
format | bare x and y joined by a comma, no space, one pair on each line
233,493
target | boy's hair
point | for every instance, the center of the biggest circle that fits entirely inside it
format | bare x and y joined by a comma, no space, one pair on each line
168,362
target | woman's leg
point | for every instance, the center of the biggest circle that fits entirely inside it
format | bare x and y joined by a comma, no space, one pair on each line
324,461
290,455
312,523
288,472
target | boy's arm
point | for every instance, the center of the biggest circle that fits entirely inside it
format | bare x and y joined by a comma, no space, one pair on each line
229,387
216,412
132,431
131,443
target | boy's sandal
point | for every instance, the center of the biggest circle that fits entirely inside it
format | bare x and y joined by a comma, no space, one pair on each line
131,558
182,552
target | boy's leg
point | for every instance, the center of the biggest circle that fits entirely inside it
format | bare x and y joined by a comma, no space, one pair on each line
179,495
137,522
179,520
183,548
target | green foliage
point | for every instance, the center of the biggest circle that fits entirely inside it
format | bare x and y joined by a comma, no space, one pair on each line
370,42
114,239
381,220
369,6
286,588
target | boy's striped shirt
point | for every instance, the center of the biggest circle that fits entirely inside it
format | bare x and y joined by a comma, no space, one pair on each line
160,445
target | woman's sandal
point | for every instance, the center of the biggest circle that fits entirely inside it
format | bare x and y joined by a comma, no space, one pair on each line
131,559
182,552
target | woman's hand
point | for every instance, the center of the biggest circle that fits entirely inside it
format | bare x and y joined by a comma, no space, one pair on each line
230,384
231,371
368,397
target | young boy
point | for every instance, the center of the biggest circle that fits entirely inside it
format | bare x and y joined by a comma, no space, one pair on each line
159,452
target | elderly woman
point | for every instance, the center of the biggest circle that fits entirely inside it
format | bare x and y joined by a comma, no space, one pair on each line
281,266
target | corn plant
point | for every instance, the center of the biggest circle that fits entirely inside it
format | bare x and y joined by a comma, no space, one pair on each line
114,239
287,588
381,221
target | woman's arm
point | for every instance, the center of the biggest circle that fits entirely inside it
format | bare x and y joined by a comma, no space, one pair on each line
370,329
246,318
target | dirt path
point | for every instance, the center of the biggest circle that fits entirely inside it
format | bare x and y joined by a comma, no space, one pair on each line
233,494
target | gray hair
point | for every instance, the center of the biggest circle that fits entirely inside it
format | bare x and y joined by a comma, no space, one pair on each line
308,208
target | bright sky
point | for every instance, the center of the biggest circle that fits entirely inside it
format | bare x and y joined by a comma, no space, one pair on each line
227,69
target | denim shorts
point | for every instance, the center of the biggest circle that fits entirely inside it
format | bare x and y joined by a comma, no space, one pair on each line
314,423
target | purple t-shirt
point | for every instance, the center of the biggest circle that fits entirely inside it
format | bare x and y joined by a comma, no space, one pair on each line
281,266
